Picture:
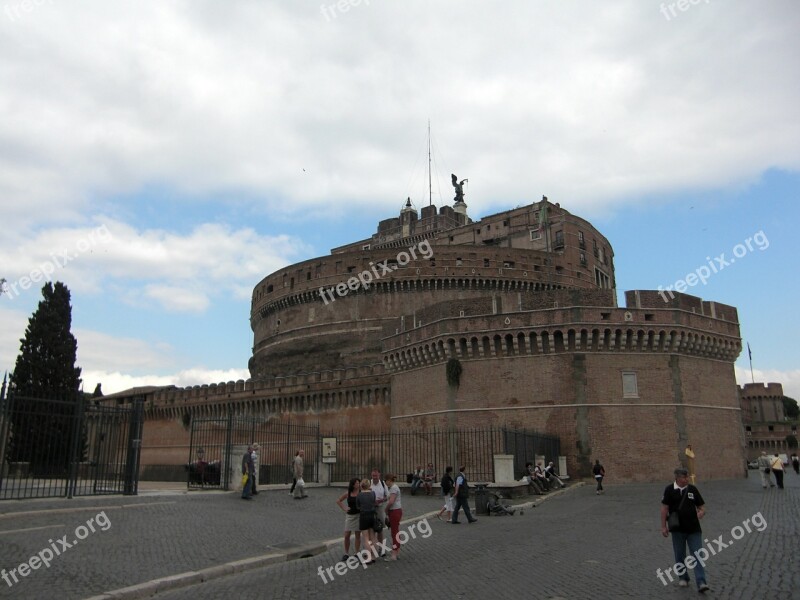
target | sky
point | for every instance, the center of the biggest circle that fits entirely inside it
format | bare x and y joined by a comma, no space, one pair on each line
161,158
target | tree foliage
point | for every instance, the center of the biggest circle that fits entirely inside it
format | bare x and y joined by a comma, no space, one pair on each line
45,371
790,408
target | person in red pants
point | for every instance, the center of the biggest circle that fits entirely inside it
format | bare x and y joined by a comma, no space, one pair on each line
394,511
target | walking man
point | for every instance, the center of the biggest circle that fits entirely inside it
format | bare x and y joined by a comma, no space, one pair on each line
682,507
777,469
599,472
462,497
249,470
764,467
300,484
254,454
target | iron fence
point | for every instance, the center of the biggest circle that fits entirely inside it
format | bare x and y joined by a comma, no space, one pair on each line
217,445
403,452
51,447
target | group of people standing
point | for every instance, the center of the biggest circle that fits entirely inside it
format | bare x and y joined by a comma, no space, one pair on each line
371,505
249,462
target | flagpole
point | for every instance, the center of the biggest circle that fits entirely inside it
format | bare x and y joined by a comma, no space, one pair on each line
750,355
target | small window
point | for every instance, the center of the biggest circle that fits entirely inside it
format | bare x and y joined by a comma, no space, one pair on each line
351,269
771,428
269,288
559,269
505,223
748,428
485,262
451,238
605,316
459,262
583,258
648,316
308,276
365,247
630,387
536,234
507,264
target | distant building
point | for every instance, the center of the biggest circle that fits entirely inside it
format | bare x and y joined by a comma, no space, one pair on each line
765,423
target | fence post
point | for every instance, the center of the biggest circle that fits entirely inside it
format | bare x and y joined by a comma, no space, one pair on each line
131,483
77,423
228,444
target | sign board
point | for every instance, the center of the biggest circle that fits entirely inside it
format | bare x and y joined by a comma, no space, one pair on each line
329,450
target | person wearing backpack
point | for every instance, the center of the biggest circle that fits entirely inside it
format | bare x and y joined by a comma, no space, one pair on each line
447,484
462,497
599,472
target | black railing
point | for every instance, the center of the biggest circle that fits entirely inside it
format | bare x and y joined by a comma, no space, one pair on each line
217,445
51,448
402,452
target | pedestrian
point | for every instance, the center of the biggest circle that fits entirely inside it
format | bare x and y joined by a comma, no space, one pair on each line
254,454
541,476
417,479
683,500
462,497
351,520
248,470
533,480
366,518
447,484
394,509
428,479
300,484
378,486
599,472
796,464
291,471
550,473
764,467
777,469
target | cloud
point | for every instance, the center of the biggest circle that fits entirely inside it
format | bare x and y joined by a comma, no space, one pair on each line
591,102
180,272
115,381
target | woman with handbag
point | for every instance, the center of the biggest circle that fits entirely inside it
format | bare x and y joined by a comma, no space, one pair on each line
394,512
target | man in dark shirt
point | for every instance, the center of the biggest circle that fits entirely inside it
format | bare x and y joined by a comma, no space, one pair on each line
685,500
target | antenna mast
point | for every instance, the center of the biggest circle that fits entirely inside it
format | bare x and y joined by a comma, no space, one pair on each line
430,185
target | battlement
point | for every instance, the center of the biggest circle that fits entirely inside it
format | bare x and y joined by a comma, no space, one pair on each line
761,390
270,386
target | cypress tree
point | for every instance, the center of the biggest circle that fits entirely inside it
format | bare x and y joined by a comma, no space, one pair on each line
45,370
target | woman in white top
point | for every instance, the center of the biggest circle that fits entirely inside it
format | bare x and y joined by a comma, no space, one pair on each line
394,510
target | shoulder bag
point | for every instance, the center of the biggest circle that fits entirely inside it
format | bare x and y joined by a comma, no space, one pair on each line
674,519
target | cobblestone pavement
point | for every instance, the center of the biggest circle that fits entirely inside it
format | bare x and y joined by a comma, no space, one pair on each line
574,545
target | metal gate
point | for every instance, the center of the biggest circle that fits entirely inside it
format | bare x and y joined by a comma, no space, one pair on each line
216,447
52,448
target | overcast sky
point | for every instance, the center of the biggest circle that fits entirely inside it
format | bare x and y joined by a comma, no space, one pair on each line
163,157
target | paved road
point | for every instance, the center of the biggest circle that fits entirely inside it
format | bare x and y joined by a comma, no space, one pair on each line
575,545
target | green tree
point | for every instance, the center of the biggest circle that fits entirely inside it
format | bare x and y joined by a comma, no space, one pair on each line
45,370
790,408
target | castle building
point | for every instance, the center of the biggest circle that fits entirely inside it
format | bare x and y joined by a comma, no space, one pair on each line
523,303
765,423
